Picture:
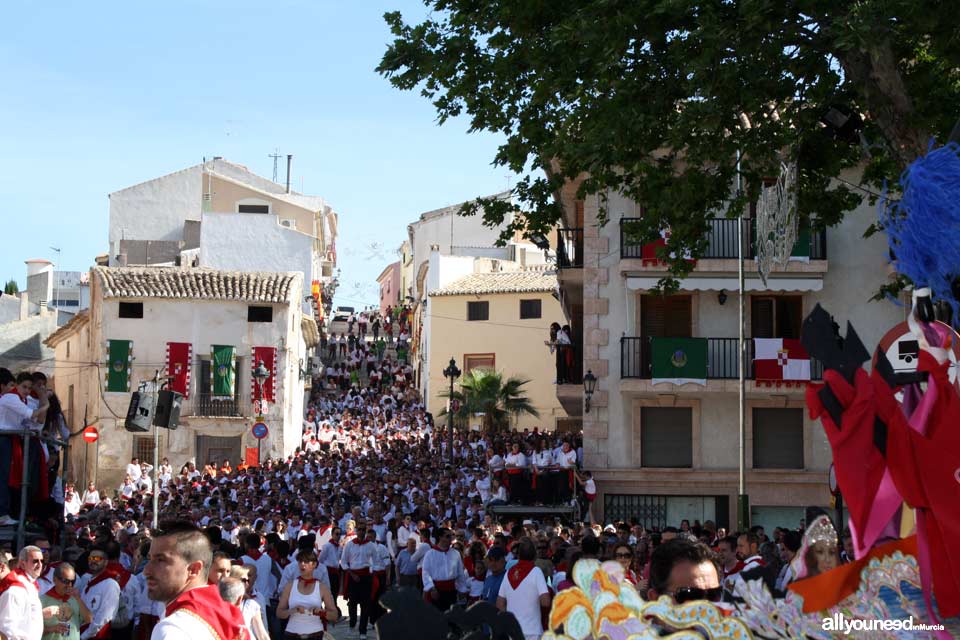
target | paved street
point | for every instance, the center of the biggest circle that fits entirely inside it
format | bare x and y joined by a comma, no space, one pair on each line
342,630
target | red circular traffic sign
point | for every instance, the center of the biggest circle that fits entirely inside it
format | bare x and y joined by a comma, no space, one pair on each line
259,431
90,434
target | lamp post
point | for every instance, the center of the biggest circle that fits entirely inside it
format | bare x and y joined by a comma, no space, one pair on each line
589,386
260,374
453,373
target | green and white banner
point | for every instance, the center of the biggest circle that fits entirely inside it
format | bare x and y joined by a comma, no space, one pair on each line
119,363
679,360
223,370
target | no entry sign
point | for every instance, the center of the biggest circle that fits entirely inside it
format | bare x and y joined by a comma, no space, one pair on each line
90,434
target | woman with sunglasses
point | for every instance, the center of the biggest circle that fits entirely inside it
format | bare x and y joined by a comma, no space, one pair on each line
624,556
249,607
306,602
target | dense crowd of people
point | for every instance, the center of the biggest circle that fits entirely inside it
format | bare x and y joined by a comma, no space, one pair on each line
369,502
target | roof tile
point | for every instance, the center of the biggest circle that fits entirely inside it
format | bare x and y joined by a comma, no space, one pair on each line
193,283
527,281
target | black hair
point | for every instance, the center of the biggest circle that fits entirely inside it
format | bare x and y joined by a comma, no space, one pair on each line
670,553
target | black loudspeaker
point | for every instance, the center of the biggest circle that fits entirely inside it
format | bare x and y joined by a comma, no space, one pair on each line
167,414
140,412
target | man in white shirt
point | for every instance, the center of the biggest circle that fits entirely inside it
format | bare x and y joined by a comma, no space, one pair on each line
443,573
523,591
330,558
21,614
357,562
176,574
100,594
134,470
265,584
15,414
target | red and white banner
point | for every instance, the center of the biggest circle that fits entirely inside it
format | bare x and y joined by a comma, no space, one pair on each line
269,357
179,357
780,360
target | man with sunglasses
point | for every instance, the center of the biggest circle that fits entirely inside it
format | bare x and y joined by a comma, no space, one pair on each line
101,595
21,614
63,593
685,571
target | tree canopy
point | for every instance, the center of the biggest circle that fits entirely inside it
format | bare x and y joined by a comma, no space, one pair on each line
11,288
487,392
656,98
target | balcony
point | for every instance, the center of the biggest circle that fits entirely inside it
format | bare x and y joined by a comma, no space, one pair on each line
570,248
636,359
206,405
721,242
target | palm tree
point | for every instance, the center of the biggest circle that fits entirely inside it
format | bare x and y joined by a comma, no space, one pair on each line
483,391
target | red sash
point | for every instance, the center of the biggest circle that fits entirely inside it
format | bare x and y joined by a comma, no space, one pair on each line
445,585
254,554
16,454
519,571
119,573
106,574
205,602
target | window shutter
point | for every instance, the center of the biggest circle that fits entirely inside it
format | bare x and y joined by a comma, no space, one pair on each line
679,316
777,438
666,437
762,318
789,316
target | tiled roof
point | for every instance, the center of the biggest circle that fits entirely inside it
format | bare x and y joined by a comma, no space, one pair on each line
528,281
197,284
68,329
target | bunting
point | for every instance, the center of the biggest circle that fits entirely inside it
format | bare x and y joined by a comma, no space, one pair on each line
269,357
119,365
179,357
223,370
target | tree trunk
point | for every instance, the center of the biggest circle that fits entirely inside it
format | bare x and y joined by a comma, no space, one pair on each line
888,104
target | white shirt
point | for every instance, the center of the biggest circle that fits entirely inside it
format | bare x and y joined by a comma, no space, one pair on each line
13,412
358,556
524,601
181,624
21,615
103,600
438,565
266,583
567,460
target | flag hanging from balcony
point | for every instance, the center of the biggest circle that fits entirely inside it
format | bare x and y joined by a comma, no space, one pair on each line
179,357
223,372
119,363
269,357
679,360
777,360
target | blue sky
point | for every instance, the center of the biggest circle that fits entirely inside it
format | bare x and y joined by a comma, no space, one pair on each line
100,96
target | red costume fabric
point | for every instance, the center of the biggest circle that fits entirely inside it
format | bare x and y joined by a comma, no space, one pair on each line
519,571
926,470
859,465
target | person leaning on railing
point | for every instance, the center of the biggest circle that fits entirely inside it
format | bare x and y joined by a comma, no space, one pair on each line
16,414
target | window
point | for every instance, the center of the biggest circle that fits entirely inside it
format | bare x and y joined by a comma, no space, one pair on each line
778,438
259,314
666,437
131,309
666,316
68,349
529,309
478,310
253,208
479,361
776,316
143,448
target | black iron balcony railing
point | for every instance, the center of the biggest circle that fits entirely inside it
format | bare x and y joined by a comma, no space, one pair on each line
636,359
570,248
211,406
722,241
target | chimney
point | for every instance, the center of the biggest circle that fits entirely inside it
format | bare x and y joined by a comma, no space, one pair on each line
289,162
122,259
24,305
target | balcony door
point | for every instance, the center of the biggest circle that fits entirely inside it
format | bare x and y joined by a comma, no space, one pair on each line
662,317
776,316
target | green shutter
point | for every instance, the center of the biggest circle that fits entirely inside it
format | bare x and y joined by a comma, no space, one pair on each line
119,357
223,370
679,360
801,249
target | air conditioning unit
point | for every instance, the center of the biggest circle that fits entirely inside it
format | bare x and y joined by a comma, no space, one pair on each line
289,223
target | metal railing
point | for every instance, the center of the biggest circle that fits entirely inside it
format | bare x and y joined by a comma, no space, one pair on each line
636,359
570,248
721,240
208,405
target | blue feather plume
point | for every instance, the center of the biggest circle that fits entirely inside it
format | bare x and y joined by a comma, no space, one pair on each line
923,226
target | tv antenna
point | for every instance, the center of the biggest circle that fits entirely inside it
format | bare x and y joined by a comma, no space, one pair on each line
276,157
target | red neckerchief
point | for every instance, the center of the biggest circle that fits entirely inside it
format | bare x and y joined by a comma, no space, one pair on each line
119,573
519,571
12,579
283,562
307,581
360,542
100,577
52,593
16,393
205,602
254,554
436,548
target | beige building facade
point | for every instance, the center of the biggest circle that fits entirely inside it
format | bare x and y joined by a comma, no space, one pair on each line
663,452
150,309
499,321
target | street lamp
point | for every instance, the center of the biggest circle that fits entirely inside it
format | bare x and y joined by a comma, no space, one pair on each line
260,374
453,373
589,386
